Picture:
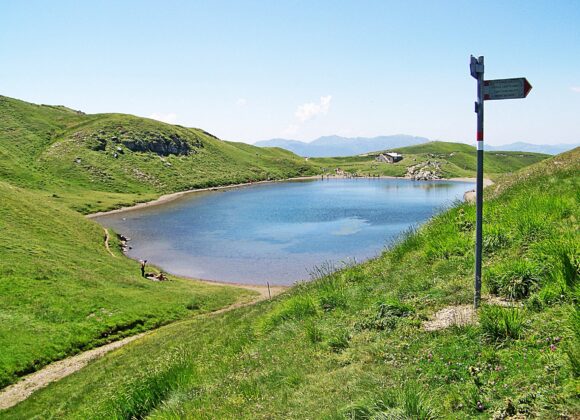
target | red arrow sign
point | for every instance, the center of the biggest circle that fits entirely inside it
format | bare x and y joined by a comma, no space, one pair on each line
506,89
527,87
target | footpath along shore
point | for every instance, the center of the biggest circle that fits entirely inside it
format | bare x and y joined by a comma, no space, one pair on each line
27,385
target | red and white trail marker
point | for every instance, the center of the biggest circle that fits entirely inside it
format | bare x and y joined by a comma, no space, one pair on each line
488,90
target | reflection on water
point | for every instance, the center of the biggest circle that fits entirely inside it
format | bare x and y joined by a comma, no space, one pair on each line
278,232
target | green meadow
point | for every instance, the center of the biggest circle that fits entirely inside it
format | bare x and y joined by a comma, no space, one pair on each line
352,343
61,292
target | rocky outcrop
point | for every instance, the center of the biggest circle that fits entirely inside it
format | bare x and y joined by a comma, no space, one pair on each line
159,142
425,171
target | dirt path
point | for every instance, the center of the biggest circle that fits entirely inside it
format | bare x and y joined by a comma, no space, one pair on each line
461,315
107,237
18,392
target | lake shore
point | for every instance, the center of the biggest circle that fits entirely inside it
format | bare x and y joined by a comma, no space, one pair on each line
261,280
173,196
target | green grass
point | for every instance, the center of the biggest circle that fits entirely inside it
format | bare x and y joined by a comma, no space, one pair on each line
61,292
457,160
499,323
350,344
71,157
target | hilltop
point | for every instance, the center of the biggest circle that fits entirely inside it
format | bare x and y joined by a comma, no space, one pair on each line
446,159
374,340
337,146
103,161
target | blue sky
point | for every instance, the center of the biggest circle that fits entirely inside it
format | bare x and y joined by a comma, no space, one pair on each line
252,70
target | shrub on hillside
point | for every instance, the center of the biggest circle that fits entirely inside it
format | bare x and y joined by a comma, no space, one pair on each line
464,222
313,332
408,241
573,349
339,340
408,403
331,293
414,404
447,237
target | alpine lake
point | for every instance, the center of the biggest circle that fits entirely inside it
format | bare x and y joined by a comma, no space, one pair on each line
280,232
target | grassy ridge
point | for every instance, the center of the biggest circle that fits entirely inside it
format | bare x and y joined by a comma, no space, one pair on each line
62,292
84,160
457,160
351,344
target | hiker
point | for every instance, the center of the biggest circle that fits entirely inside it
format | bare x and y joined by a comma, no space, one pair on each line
143,262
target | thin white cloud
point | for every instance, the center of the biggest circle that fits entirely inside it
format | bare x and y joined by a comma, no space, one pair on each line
310,110
241,102
170,118
306,112
575,89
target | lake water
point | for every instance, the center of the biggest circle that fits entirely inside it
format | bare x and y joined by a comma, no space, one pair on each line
279,232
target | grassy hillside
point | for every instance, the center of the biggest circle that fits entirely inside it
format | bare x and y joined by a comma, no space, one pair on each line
456,159
96,162
352,344
62,292
53,158
104,161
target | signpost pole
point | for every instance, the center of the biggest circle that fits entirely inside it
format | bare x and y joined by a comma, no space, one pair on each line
488,90
477,69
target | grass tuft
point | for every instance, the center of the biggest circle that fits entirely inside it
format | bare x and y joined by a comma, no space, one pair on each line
296,308
513,279
498,323
414,405
386,315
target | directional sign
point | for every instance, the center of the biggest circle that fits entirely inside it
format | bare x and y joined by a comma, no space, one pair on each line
487,90
506,89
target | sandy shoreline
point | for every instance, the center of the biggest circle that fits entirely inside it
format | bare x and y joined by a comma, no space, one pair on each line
173,196
486,181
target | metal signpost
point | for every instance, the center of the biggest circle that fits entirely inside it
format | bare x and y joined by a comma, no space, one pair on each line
488,90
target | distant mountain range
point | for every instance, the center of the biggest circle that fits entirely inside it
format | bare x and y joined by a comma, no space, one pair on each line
549,149
329,146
